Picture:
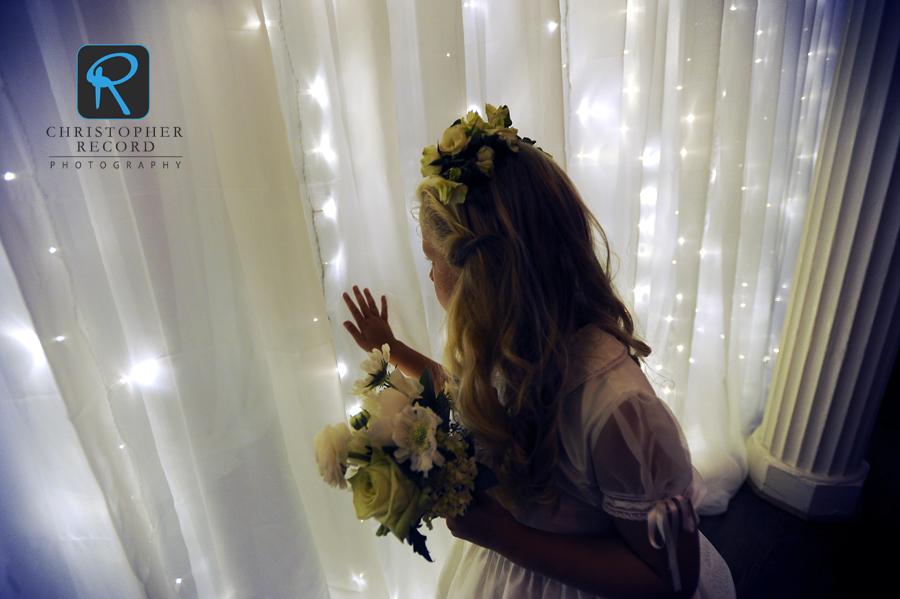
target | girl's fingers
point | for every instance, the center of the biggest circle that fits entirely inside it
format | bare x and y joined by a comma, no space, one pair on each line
363,305
371,301
384,307
354,332
353,309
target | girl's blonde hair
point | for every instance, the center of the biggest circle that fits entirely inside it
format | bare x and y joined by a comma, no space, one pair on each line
529,277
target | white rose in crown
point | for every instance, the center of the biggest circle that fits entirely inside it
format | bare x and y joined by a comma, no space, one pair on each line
497,117
454,140
485,160
472,122
429,155
450,192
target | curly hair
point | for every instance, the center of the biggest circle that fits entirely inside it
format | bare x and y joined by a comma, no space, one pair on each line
530,276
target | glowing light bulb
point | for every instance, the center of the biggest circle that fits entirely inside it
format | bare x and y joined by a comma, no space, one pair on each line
52,250
342,369
325,148
690,118
8,176
330,209
679,347
144,373
551,26
683,152
32,343
318,91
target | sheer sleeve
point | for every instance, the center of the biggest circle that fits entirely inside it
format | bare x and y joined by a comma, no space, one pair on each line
643,467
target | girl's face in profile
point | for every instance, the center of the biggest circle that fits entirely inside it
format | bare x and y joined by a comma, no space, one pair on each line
441,274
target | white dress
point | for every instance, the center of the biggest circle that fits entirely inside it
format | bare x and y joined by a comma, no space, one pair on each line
623,455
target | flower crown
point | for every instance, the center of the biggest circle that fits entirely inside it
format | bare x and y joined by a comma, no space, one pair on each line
463,162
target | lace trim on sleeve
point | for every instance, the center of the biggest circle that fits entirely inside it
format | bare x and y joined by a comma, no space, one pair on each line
666,517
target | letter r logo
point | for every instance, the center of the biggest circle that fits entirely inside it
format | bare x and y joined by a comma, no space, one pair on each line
113,81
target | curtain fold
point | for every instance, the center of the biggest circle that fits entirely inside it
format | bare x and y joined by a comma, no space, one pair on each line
171,337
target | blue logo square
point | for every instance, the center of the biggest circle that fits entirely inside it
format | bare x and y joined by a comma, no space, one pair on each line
113,81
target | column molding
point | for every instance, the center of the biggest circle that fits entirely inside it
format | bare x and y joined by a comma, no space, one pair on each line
842,325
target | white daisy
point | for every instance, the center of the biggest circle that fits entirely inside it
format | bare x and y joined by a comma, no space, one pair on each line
414,435
375,367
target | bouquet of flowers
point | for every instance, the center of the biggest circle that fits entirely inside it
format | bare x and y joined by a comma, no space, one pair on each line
405,460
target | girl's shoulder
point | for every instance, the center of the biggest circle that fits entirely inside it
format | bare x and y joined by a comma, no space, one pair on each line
595,353
600,377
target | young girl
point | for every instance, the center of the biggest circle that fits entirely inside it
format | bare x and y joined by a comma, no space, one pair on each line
596,484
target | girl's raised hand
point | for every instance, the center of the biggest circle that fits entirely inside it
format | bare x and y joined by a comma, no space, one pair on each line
372,329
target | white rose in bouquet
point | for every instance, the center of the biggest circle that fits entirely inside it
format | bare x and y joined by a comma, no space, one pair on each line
331,453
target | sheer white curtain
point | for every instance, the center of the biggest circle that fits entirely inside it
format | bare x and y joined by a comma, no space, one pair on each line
178,478
691,129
